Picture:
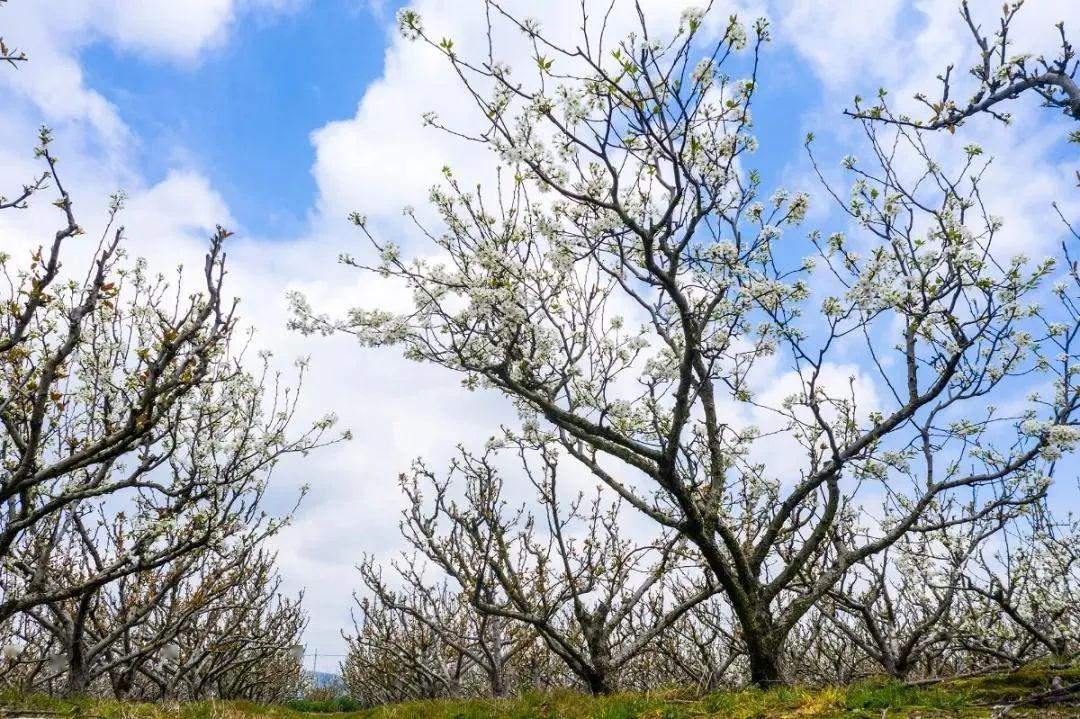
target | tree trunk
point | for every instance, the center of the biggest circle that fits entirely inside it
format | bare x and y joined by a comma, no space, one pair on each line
766,667
78,677
764,639
598,683
498,686
899,668
121,682
495,675
78,671
597,674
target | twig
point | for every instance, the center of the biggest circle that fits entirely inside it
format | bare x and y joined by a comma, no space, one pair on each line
1053,696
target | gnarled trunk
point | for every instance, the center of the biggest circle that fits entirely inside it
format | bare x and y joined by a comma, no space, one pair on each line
766,666
598,682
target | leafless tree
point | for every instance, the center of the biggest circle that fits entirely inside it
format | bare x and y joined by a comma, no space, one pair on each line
489,642
701,650
239,647
597,598
395,655
211,624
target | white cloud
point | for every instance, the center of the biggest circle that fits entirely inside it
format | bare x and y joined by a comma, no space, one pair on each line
160,27
837,37
54,33
176,30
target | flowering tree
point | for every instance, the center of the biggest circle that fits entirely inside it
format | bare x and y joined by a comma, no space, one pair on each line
1027,581
10,55
118,630
238,645
126,388
210,624
896,608
628,285
135,451
1001,76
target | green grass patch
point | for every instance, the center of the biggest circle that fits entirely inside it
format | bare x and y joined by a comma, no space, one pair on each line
324,706
956,699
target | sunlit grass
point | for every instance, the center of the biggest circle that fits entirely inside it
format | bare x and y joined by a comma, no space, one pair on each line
961,699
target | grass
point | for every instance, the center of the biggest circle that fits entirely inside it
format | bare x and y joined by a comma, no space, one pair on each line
336,705
957,699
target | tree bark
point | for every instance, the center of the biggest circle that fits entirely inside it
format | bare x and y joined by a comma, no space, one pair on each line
765,653
122,682
498,686
78,671
78,677
598,683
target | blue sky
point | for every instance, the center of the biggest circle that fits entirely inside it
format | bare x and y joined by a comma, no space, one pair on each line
278,117
243,113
